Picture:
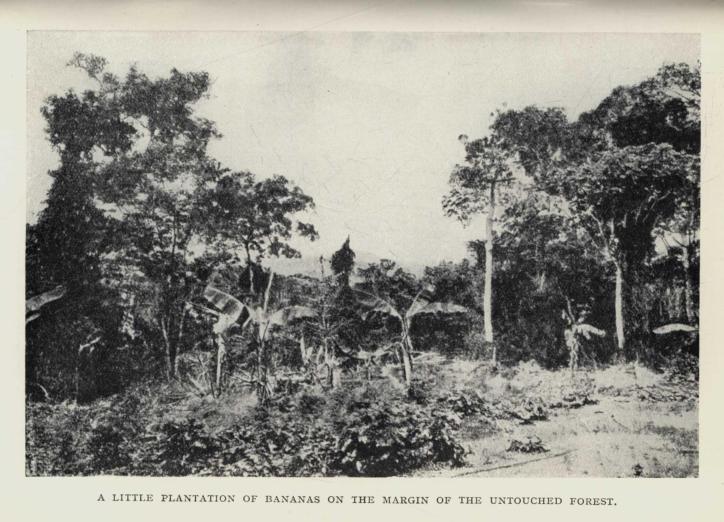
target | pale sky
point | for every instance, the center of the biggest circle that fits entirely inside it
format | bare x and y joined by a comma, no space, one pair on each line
365,123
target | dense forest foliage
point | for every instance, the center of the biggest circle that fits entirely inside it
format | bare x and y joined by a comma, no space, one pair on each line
148,265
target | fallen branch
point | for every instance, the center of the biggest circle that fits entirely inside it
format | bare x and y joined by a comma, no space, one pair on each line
515,464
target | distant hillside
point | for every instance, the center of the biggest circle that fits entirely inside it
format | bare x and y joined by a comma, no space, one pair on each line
310,266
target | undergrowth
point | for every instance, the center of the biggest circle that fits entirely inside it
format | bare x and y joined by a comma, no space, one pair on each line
370,431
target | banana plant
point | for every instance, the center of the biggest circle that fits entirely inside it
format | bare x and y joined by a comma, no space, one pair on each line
575,330
318,360
419,306
230,309
325,326
227,311
325,358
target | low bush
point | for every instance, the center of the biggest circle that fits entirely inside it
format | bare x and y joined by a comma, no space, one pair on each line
683,367
366,431
385,439
529,445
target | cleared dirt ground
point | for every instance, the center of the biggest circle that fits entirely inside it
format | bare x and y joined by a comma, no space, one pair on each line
638,423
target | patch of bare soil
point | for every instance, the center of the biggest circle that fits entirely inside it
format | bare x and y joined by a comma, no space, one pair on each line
623,421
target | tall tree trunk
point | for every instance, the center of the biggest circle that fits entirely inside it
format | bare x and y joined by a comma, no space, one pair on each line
179,337
170,351
488,286
688,285
618,304
250,270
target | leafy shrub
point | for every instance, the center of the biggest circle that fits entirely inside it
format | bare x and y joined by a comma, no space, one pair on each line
270,449
105,447
385,439
530,410
279,440
529,445
683,366
370,431
465,403
310,403
185,448
54,439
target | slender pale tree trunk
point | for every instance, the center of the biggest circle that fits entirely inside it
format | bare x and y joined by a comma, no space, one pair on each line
179,337
618,305
488,286
170,355
250,269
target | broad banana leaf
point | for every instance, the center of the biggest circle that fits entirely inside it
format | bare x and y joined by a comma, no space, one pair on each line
229,306
424,307
256,315
674,327
291,313
366,356
377,305
36,302
587,330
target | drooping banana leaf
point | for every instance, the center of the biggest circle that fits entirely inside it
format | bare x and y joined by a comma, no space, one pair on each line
674,327
230,308
377,305
291,313
367,356
587,331
422,306
35,303
418,304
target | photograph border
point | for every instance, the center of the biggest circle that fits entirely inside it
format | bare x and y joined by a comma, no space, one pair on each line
33,498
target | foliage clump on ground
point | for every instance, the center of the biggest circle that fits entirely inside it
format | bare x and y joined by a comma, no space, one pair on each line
307,434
